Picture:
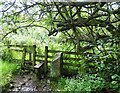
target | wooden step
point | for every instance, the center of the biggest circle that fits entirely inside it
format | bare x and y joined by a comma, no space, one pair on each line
38,65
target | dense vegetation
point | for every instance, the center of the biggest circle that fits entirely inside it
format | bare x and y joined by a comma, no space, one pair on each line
8,69
89,28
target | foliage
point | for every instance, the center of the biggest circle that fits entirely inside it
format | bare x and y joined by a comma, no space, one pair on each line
7,71
6,54
87,82
114,84
90,28
81,83
79,21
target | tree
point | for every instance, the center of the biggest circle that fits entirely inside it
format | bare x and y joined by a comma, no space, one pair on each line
80,21
93,28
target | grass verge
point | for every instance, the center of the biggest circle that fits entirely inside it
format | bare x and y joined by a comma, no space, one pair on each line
7,69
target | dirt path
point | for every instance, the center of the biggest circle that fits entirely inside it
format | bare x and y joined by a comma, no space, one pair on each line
28,83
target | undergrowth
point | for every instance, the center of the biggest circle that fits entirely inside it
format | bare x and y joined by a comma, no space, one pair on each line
7,70
81,83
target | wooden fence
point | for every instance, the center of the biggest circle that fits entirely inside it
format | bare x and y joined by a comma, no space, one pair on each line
71,63
71,60
28,54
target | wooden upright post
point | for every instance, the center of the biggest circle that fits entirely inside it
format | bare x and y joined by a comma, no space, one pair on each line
34,55
61,64
29,56
8,49
46,57
23,57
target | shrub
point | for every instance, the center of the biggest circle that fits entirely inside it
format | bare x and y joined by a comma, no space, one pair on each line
81,83
7,69
6,55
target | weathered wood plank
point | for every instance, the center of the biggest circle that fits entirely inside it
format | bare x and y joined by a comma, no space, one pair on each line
65,52
30,56
38,65
18,50
39,55
50,56
27,60
19,45
43,56
39,60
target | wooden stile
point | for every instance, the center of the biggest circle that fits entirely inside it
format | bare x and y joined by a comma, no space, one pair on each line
35,57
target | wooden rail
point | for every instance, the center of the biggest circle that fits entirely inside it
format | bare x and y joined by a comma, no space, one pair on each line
47,57
19,46
18,50
39,55
65,52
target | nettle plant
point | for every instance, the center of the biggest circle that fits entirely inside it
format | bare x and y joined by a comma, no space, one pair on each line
81,83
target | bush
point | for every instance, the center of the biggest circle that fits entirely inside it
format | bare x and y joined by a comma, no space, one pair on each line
81,83
6,55
7,69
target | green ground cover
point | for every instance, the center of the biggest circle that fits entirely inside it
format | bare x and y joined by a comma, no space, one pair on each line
7,69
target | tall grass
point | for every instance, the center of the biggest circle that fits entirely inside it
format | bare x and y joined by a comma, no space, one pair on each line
6,72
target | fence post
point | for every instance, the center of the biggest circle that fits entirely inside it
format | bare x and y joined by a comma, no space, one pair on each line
34,55
23,56
29,56
61,64
8,49
46,57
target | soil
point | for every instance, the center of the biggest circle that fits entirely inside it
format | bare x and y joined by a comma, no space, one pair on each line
29,83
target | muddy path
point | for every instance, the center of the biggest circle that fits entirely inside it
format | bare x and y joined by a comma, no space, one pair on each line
29,83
